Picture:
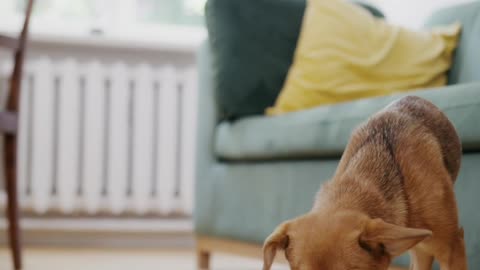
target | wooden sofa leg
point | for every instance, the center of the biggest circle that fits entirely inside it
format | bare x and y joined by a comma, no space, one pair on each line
203,260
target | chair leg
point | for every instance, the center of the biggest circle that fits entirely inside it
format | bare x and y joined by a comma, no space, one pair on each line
203,260
12,202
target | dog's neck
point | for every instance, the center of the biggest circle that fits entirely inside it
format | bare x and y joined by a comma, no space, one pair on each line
355,193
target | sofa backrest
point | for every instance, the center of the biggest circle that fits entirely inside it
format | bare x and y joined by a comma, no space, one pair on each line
466,65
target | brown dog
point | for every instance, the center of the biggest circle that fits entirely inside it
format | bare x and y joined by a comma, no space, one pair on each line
392,192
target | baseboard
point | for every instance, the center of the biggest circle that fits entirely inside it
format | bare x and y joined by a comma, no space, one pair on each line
103,233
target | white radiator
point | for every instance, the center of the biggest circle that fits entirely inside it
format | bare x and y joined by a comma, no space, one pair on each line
114,138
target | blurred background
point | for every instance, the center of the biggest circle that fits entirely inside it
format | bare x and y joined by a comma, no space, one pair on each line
106,156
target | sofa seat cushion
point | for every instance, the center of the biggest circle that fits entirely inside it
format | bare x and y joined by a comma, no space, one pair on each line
324,131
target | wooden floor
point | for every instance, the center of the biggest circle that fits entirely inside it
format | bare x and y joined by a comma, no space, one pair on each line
121,259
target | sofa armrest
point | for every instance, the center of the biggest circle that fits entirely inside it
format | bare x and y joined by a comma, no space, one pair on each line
207,114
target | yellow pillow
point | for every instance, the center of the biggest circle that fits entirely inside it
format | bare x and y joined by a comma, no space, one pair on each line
344,53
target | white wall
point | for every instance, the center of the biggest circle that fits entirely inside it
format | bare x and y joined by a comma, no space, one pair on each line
412,13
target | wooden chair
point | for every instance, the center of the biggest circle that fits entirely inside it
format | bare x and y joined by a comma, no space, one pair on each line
9,127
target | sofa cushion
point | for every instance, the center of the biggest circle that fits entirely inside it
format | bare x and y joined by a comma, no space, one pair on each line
344,53
324,131
466,64
253,42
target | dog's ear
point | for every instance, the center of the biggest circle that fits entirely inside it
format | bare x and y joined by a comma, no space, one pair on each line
277,240
381,237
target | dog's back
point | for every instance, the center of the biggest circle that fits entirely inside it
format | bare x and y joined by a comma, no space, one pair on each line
388,129
423,111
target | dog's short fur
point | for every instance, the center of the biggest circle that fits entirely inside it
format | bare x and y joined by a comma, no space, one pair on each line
392,192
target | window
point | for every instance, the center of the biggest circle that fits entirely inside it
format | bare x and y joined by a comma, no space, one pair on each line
170,11
104,16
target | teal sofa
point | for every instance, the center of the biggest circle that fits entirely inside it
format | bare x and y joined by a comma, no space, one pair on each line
253,171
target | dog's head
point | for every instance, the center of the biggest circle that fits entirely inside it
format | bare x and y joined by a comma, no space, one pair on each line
340,241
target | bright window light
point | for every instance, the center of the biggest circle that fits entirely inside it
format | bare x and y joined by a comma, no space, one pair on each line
81,17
